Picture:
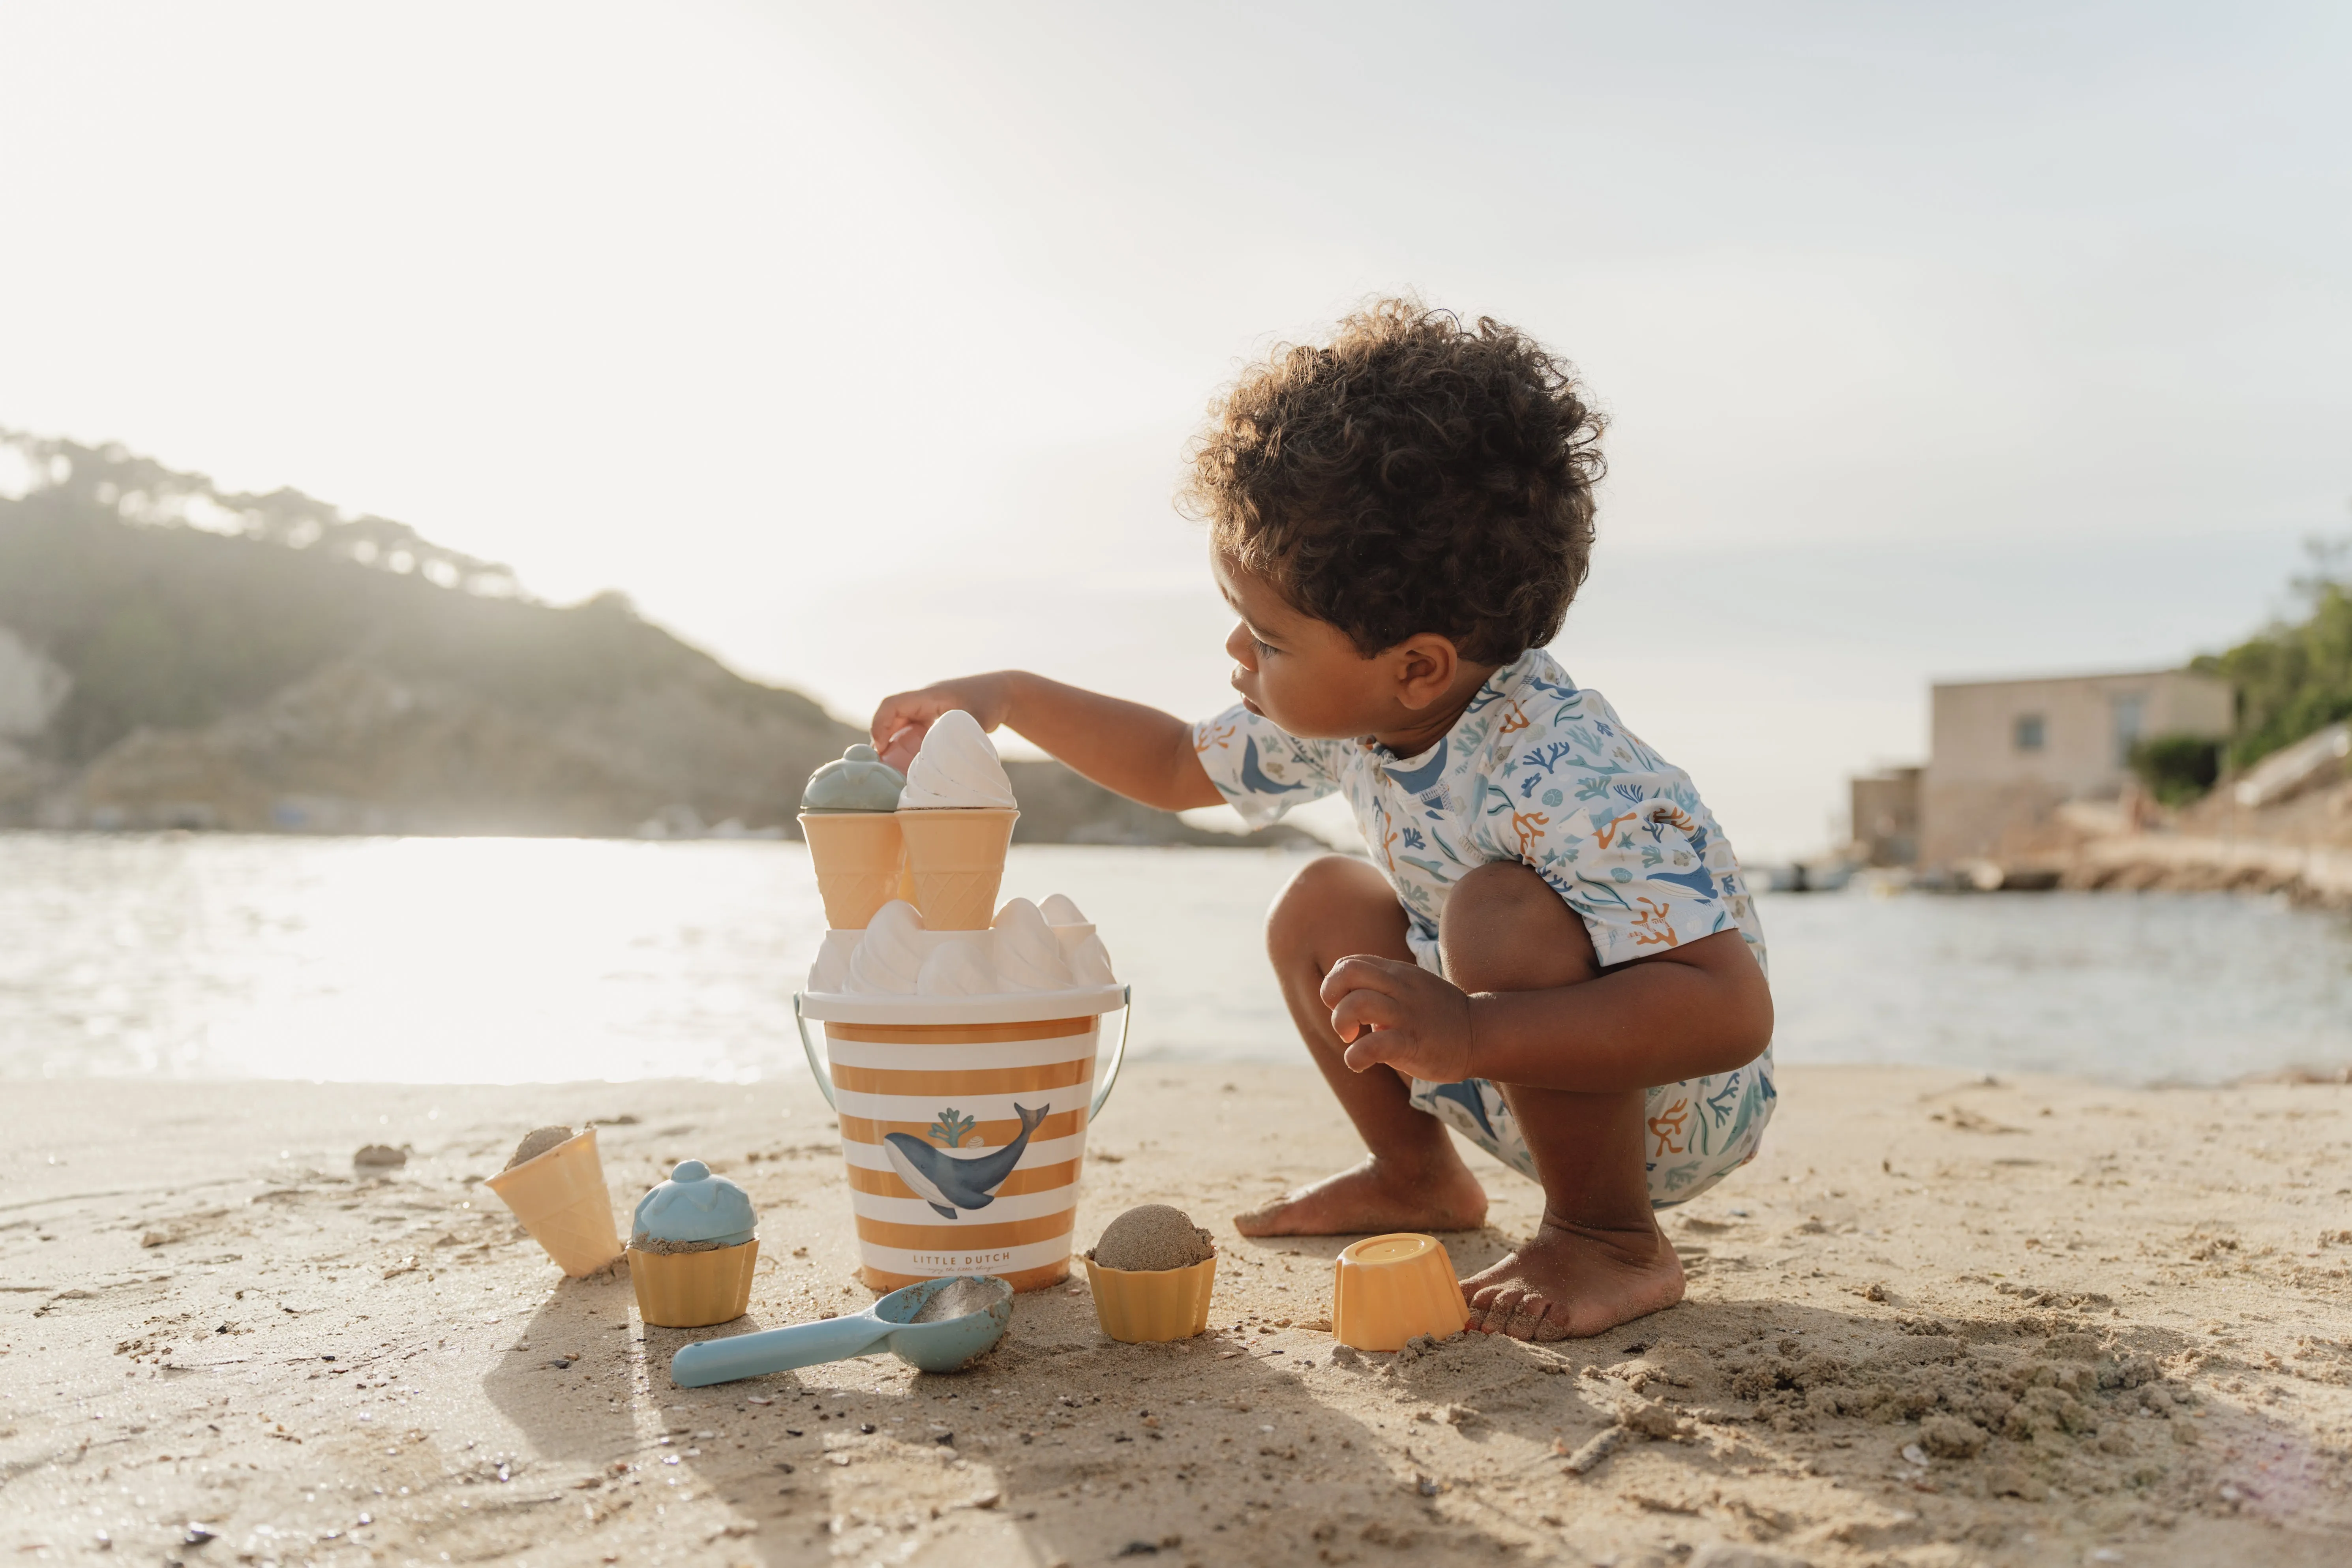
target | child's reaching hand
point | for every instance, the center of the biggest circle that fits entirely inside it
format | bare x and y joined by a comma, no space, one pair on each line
1139,752
1399,1013
903,720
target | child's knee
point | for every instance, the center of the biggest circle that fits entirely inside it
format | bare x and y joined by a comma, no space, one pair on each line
1328,894
1506,930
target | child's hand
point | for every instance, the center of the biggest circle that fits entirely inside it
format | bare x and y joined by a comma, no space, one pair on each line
1401,1015
902,721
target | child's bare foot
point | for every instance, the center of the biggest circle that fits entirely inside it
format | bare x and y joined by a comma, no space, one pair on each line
1568,1283
1370,1198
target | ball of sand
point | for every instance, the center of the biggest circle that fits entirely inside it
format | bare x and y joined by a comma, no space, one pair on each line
1151,1239
538,1141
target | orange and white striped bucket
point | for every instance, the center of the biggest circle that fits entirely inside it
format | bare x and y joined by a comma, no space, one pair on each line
963,1125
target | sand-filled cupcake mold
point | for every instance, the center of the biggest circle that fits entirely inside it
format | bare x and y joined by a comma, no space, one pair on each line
692,1251
1170,1271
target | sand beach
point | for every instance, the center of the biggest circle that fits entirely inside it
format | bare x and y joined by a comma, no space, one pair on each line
1941,1321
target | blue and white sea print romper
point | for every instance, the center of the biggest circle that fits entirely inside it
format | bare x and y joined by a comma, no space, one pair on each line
1542,773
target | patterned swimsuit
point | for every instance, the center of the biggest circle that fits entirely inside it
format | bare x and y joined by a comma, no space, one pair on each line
1541,772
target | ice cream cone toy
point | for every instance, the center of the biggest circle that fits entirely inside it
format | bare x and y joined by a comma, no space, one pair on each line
848,814
956,814
1386,1289
691,1250
1152,1274
555,1185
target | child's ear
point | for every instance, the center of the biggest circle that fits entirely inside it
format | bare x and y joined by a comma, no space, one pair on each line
1426,666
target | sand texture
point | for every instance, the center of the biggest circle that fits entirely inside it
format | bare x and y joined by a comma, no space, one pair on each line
1152,1237
1938,1322
662,1247
960,1300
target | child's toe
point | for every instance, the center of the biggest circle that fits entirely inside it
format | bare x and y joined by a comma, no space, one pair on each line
1530,1313
1492,1308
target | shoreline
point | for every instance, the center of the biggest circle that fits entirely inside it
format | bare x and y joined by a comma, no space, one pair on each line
1939,1321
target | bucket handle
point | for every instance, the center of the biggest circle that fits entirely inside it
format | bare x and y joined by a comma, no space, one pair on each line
1102,1094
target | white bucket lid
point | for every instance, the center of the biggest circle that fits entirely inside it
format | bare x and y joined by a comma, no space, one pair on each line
1005,1008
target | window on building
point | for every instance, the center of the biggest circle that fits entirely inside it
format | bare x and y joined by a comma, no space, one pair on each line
2131,722
2029,732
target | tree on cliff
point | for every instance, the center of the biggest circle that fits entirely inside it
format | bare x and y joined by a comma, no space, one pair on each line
2295,677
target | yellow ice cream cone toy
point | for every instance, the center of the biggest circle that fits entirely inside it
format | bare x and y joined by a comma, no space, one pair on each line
849,818
956,815
562,1199
955,862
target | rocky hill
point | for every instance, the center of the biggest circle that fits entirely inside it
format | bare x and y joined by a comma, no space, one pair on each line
174,657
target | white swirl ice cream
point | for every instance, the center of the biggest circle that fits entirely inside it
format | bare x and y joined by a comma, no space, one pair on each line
957,768
889,957
1028,954
1090,965
957,967
896,955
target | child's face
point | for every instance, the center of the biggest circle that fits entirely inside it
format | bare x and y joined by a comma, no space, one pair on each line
1305,674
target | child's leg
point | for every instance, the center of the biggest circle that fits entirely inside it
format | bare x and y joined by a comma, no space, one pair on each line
1598,1259
1413,1179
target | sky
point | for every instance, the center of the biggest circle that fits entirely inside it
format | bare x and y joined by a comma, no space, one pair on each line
860,345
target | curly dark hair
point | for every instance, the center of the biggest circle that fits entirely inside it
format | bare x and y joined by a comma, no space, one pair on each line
1412,475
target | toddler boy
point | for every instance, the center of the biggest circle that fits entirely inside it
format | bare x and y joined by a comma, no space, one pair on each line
1550,950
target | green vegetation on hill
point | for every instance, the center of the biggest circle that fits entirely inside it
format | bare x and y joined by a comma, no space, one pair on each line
2294,678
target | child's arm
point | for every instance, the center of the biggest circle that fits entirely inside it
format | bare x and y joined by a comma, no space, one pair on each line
1700,1009
1139,752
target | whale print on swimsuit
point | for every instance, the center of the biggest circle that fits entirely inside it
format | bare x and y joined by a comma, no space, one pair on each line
952,1183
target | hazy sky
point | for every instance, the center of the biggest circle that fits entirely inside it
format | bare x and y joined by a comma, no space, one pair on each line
859,344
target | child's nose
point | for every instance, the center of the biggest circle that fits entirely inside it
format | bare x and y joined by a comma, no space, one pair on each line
1239,644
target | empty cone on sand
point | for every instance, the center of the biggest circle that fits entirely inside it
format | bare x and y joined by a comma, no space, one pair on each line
560,1199
955,859
860,858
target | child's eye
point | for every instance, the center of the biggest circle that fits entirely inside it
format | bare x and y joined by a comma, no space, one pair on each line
1262,646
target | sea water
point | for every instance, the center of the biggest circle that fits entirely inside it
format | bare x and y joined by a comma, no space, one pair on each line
536,960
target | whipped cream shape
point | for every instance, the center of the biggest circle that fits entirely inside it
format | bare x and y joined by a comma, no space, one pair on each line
1028,954
890,959
1059,910
957,967
957,768
1090,965
896,956
831,969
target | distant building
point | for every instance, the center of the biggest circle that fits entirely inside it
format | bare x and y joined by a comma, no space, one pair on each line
1886,817
2005,755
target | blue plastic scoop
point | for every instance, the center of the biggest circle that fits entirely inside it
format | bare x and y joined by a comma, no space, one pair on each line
888,1324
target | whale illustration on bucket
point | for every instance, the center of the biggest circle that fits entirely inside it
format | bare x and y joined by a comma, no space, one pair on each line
963,1125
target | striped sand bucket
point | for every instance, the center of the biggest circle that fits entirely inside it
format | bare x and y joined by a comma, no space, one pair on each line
963,1123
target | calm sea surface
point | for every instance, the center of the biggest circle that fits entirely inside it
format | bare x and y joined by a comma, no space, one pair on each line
522,960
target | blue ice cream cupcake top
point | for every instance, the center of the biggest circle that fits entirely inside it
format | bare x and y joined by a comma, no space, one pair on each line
860,781
695,1205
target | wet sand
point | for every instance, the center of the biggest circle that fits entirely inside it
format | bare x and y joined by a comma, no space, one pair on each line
1939,1321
